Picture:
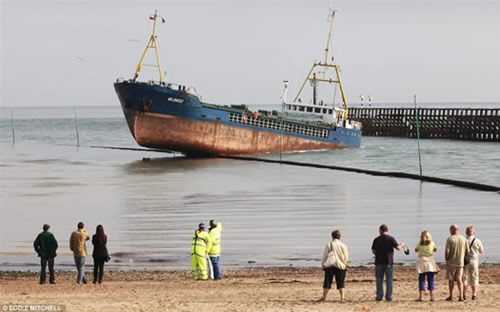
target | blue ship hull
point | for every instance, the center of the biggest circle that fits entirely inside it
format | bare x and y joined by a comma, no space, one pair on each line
160,116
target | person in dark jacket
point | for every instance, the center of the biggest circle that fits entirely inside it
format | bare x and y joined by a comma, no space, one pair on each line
45,245
100,253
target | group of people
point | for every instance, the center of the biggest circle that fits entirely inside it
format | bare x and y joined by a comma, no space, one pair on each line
46,245
205,251
461,255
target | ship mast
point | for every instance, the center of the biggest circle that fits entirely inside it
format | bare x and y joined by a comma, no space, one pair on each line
326,65
152,44
331,16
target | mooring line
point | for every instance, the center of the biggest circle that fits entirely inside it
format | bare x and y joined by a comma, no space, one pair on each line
133,149
464,184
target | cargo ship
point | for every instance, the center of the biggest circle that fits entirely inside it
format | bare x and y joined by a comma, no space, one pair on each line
169,116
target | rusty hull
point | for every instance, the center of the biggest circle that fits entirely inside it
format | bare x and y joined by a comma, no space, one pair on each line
194,137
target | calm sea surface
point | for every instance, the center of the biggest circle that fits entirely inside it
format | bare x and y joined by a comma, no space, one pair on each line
271,214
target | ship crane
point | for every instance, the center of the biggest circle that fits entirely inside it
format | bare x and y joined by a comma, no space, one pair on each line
314,80
152,44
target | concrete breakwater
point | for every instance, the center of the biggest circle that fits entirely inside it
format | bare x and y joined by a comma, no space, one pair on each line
473,124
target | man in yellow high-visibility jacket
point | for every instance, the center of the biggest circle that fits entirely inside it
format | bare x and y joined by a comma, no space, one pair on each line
215,232
199,252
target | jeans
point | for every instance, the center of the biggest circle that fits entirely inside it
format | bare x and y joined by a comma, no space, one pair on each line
430,280
215,264
380,271
80,267
43,263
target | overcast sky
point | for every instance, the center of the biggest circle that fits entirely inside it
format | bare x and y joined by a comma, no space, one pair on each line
69,53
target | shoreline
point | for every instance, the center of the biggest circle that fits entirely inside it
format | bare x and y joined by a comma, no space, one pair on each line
229,268
243,289
156,267
65,262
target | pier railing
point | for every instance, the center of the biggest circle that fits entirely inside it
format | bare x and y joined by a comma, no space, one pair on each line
474,124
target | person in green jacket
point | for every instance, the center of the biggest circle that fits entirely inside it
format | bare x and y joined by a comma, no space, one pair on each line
46,245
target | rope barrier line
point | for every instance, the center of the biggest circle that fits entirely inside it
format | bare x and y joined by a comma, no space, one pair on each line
133,149
464,184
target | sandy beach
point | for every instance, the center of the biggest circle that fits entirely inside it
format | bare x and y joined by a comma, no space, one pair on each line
252,289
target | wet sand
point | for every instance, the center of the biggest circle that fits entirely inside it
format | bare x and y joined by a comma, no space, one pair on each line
255,289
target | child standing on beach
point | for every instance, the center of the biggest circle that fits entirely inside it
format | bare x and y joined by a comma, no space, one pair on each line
426,264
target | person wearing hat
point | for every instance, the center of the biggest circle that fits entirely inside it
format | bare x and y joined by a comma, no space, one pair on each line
45,246
199,252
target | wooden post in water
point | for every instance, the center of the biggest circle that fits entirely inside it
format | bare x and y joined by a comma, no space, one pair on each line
12,125
283,103
281,137
418,135
76,128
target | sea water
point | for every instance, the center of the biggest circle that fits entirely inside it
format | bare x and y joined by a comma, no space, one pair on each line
272,215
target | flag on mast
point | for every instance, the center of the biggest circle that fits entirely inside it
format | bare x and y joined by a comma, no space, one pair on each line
152,17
